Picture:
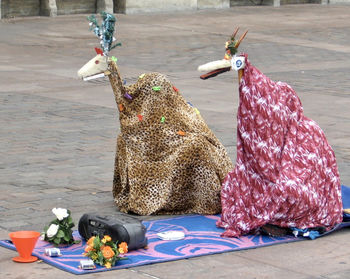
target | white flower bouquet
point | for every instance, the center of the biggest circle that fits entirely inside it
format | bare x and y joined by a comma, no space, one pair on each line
59,231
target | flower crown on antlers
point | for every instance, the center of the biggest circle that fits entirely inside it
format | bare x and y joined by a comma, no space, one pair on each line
233,44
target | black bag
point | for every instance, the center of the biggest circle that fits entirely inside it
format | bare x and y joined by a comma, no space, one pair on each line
121,228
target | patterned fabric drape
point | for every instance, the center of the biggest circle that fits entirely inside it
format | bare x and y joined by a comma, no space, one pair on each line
286,172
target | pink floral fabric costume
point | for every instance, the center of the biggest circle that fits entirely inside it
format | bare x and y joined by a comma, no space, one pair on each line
286,172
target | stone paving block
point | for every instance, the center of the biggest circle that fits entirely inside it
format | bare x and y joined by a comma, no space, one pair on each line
207,268
338,274
14,224
332,252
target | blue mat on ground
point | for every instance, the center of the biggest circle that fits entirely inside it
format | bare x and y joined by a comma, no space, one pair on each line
202,237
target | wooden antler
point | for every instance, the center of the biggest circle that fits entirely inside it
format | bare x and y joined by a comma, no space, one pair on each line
235,33
240,39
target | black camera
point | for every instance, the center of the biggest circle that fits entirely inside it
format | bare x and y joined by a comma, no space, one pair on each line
121,228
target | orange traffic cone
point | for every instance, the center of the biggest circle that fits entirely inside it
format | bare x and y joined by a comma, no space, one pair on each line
24,242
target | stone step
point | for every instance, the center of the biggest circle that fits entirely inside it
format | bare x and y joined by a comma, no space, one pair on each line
19,8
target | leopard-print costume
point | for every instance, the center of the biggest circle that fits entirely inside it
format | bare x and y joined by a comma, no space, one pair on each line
168,161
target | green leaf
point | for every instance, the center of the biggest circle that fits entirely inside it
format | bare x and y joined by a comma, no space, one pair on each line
100,257
57,241
118,44
97,242
60,234
66,238
70,220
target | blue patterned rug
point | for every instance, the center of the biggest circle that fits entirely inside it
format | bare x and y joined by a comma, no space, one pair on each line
202,237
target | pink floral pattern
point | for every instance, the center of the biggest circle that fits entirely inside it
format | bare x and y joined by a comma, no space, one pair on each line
286,172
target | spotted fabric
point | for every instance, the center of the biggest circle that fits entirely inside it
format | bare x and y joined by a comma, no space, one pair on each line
168,161
286,172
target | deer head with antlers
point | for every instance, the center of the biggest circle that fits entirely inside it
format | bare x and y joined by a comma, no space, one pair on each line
230,60
98,66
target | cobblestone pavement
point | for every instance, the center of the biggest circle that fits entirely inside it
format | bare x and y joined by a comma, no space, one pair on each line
58,133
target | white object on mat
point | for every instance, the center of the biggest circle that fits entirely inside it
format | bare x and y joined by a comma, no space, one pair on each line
171,235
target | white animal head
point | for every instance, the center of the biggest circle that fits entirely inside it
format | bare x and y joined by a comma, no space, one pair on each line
220,66
214,65
96,66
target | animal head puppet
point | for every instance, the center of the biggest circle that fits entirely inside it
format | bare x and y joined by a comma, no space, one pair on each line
230,60
98,66
167,159
286,172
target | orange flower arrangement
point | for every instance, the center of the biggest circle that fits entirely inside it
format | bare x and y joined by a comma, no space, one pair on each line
123,248
106,238
88,249
91,241
104,251
107,252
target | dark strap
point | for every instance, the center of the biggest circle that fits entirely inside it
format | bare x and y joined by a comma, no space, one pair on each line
215,73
